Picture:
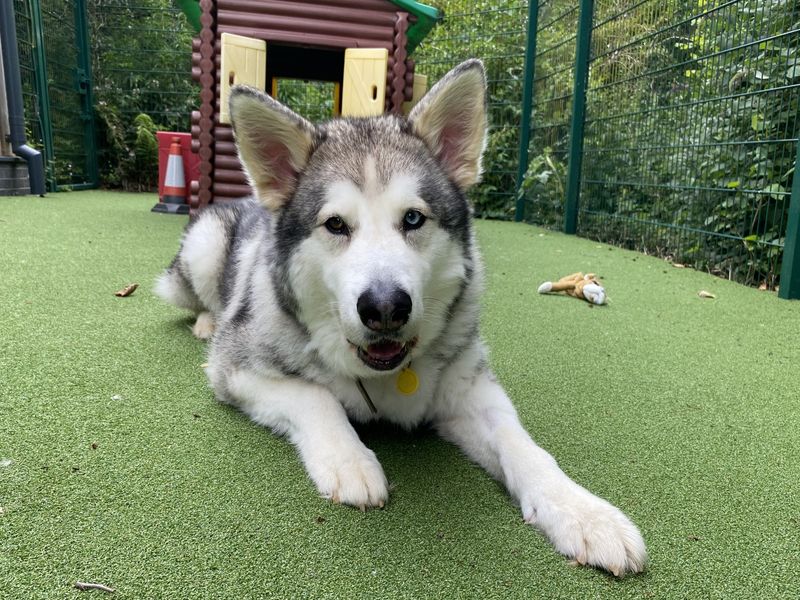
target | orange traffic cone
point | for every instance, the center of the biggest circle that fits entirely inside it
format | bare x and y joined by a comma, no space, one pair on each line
173,196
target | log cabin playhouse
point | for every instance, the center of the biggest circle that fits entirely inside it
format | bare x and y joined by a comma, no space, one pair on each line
361,46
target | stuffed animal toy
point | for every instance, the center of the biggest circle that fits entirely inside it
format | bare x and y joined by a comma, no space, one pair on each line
586,287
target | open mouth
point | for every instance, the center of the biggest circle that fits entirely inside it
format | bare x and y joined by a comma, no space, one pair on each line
384,355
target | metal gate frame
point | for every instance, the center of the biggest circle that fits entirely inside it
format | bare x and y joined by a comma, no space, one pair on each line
82,80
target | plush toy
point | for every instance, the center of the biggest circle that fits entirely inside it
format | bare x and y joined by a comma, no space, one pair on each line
587,287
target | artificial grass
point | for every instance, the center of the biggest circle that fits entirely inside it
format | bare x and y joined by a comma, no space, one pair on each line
117,466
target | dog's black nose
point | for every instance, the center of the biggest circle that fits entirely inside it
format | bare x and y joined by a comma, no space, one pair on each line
384,310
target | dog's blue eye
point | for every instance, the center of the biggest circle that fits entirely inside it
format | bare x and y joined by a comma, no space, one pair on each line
336,226
413,220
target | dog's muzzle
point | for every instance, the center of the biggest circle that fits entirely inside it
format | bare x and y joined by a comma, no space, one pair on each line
384,309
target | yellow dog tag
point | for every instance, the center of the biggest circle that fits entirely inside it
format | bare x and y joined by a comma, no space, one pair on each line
407,381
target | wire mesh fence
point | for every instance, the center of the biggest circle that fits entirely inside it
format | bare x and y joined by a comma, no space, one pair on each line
24,29
689,120
141,56
690,129
545,182
51,40
314,100
495,32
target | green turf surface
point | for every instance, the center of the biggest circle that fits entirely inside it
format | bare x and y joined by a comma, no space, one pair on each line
117,466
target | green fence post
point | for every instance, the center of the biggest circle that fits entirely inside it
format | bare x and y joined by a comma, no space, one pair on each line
527,105
42,92
84,87
582,57
790,270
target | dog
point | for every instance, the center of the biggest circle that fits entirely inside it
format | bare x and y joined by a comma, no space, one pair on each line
348,288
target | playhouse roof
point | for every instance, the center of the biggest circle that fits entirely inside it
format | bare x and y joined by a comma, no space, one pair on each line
426,18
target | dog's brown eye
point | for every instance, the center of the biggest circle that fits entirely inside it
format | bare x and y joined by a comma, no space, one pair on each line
336,226
413,219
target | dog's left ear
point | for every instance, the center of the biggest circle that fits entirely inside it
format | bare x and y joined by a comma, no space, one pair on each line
452,120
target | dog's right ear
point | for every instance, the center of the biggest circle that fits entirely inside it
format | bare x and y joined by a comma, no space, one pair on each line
274,144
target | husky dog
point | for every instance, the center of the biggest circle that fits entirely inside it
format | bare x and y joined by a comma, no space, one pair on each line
348,288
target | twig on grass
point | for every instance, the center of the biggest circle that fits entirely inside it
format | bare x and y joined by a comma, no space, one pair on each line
127,290
83,586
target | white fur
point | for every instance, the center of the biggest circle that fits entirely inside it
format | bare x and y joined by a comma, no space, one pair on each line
330,272
203,327
173,292
463,402
273,144
476,414
452,119
339,464
204,258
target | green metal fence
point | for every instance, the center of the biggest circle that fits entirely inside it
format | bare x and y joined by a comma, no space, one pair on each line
142,58
495,32
666,126
670,127
56,79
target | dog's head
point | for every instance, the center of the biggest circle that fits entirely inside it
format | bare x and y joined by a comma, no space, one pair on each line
372,226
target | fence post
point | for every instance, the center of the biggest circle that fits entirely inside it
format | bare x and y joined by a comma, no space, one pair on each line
527,105
790,271
583,44
43,92
84,86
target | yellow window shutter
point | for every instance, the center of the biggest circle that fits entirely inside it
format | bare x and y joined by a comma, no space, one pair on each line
244,60
364,81
420,87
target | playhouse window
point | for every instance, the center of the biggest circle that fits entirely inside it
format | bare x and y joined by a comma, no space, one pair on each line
308,80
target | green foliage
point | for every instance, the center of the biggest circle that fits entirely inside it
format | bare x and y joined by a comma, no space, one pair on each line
142,63
690,126
134,148
310,99
143,160
493,31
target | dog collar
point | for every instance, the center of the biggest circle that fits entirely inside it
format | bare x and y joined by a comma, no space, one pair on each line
366,397
407,383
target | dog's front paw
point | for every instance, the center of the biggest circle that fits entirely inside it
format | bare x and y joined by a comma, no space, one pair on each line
587,529
350,476
203,327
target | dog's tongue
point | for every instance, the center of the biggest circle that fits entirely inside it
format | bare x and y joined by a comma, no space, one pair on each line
385,349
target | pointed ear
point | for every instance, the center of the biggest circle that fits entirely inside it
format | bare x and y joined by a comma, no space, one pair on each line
452,120
273,143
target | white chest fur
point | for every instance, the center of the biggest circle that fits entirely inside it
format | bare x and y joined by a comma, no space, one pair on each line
390,403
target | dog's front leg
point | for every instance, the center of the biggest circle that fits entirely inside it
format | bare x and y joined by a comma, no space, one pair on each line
339,464
475,413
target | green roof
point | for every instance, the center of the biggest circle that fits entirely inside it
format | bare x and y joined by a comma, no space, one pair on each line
427,17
